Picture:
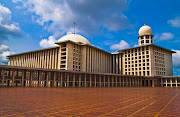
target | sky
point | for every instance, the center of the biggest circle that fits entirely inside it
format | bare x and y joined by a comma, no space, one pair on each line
27,25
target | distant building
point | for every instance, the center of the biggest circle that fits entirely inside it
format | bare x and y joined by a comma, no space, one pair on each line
75,53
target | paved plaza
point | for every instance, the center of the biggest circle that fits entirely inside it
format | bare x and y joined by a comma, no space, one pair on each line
90,102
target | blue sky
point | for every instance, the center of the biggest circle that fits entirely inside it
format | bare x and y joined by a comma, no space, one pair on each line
27,25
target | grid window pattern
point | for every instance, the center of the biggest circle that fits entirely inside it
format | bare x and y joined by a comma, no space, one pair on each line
76,58
137,61
159,61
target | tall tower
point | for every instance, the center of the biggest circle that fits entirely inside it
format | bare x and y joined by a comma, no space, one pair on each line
145,35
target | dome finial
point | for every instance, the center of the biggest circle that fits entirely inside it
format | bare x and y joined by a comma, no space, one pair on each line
74,27
144,22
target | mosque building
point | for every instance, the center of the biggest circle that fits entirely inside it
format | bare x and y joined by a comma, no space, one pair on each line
74,62
74,52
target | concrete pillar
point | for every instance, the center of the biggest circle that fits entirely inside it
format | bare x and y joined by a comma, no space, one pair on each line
171,81
108,80
133,81
54,80
13,77
99,80
95,80
144,82
149,85
104,81
73,79
176,82
112,81
126,81
120,81
22,80
166,82
123,80
153,83
161,82
90,80
31,72
47,79
79,80
138,82
116,81
67,84
61,84
39,80
129,82
3,77
84,80
141,81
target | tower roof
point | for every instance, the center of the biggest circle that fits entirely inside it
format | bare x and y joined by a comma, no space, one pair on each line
145,30
74,38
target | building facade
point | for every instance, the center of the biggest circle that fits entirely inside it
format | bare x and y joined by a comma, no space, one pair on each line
75,53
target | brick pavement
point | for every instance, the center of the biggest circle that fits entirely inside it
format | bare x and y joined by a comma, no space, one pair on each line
90,102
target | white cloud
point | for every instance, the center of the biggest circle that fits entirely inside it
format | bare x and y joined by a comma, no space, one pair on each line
3,48
174,22
122,45
45,43
90,15
4,52
176,58
7,27
164,36
15,1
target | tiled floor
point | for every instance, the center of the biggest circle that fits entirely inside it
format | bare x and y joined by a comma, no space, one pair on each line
90,102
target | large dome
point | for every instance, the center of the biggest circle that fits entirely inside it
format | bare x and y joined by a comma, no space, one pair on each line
75,38
145,30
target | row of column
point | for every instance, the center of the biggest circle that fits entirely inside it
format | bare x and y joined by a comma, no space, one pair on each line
108,80
171,83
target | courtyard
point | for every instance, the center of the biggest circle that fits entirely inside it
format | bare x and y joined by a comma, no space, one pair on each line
90,102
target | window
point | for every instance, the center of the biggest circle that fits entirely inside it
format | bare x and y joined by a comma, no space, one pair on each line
147,41
142,42
147,36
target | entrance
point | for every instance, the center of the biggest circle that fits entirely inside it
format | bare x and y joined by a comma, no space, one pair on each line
142,82
146,83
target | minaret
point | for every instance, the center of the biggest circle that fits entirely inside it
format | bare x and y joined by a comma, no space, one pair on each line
145,35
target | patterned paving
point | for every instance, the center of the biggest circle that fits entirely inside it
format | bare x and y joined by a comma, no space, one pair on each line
90,102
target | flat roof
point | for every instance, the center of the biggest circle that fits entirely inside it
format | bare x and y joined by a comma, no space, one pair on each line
57,47
147,45
33,51
57,70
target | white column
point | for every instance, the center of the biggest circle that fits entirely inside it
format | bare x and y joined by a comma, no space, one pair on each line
13,78
73,79
104,81
171,81
39,80
31,72
95,80
54,80
116,81
47,79
67,80
161,82
99,80
22,80
85,80
108,81
176,82
90,80
166,82
61,79
79,80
